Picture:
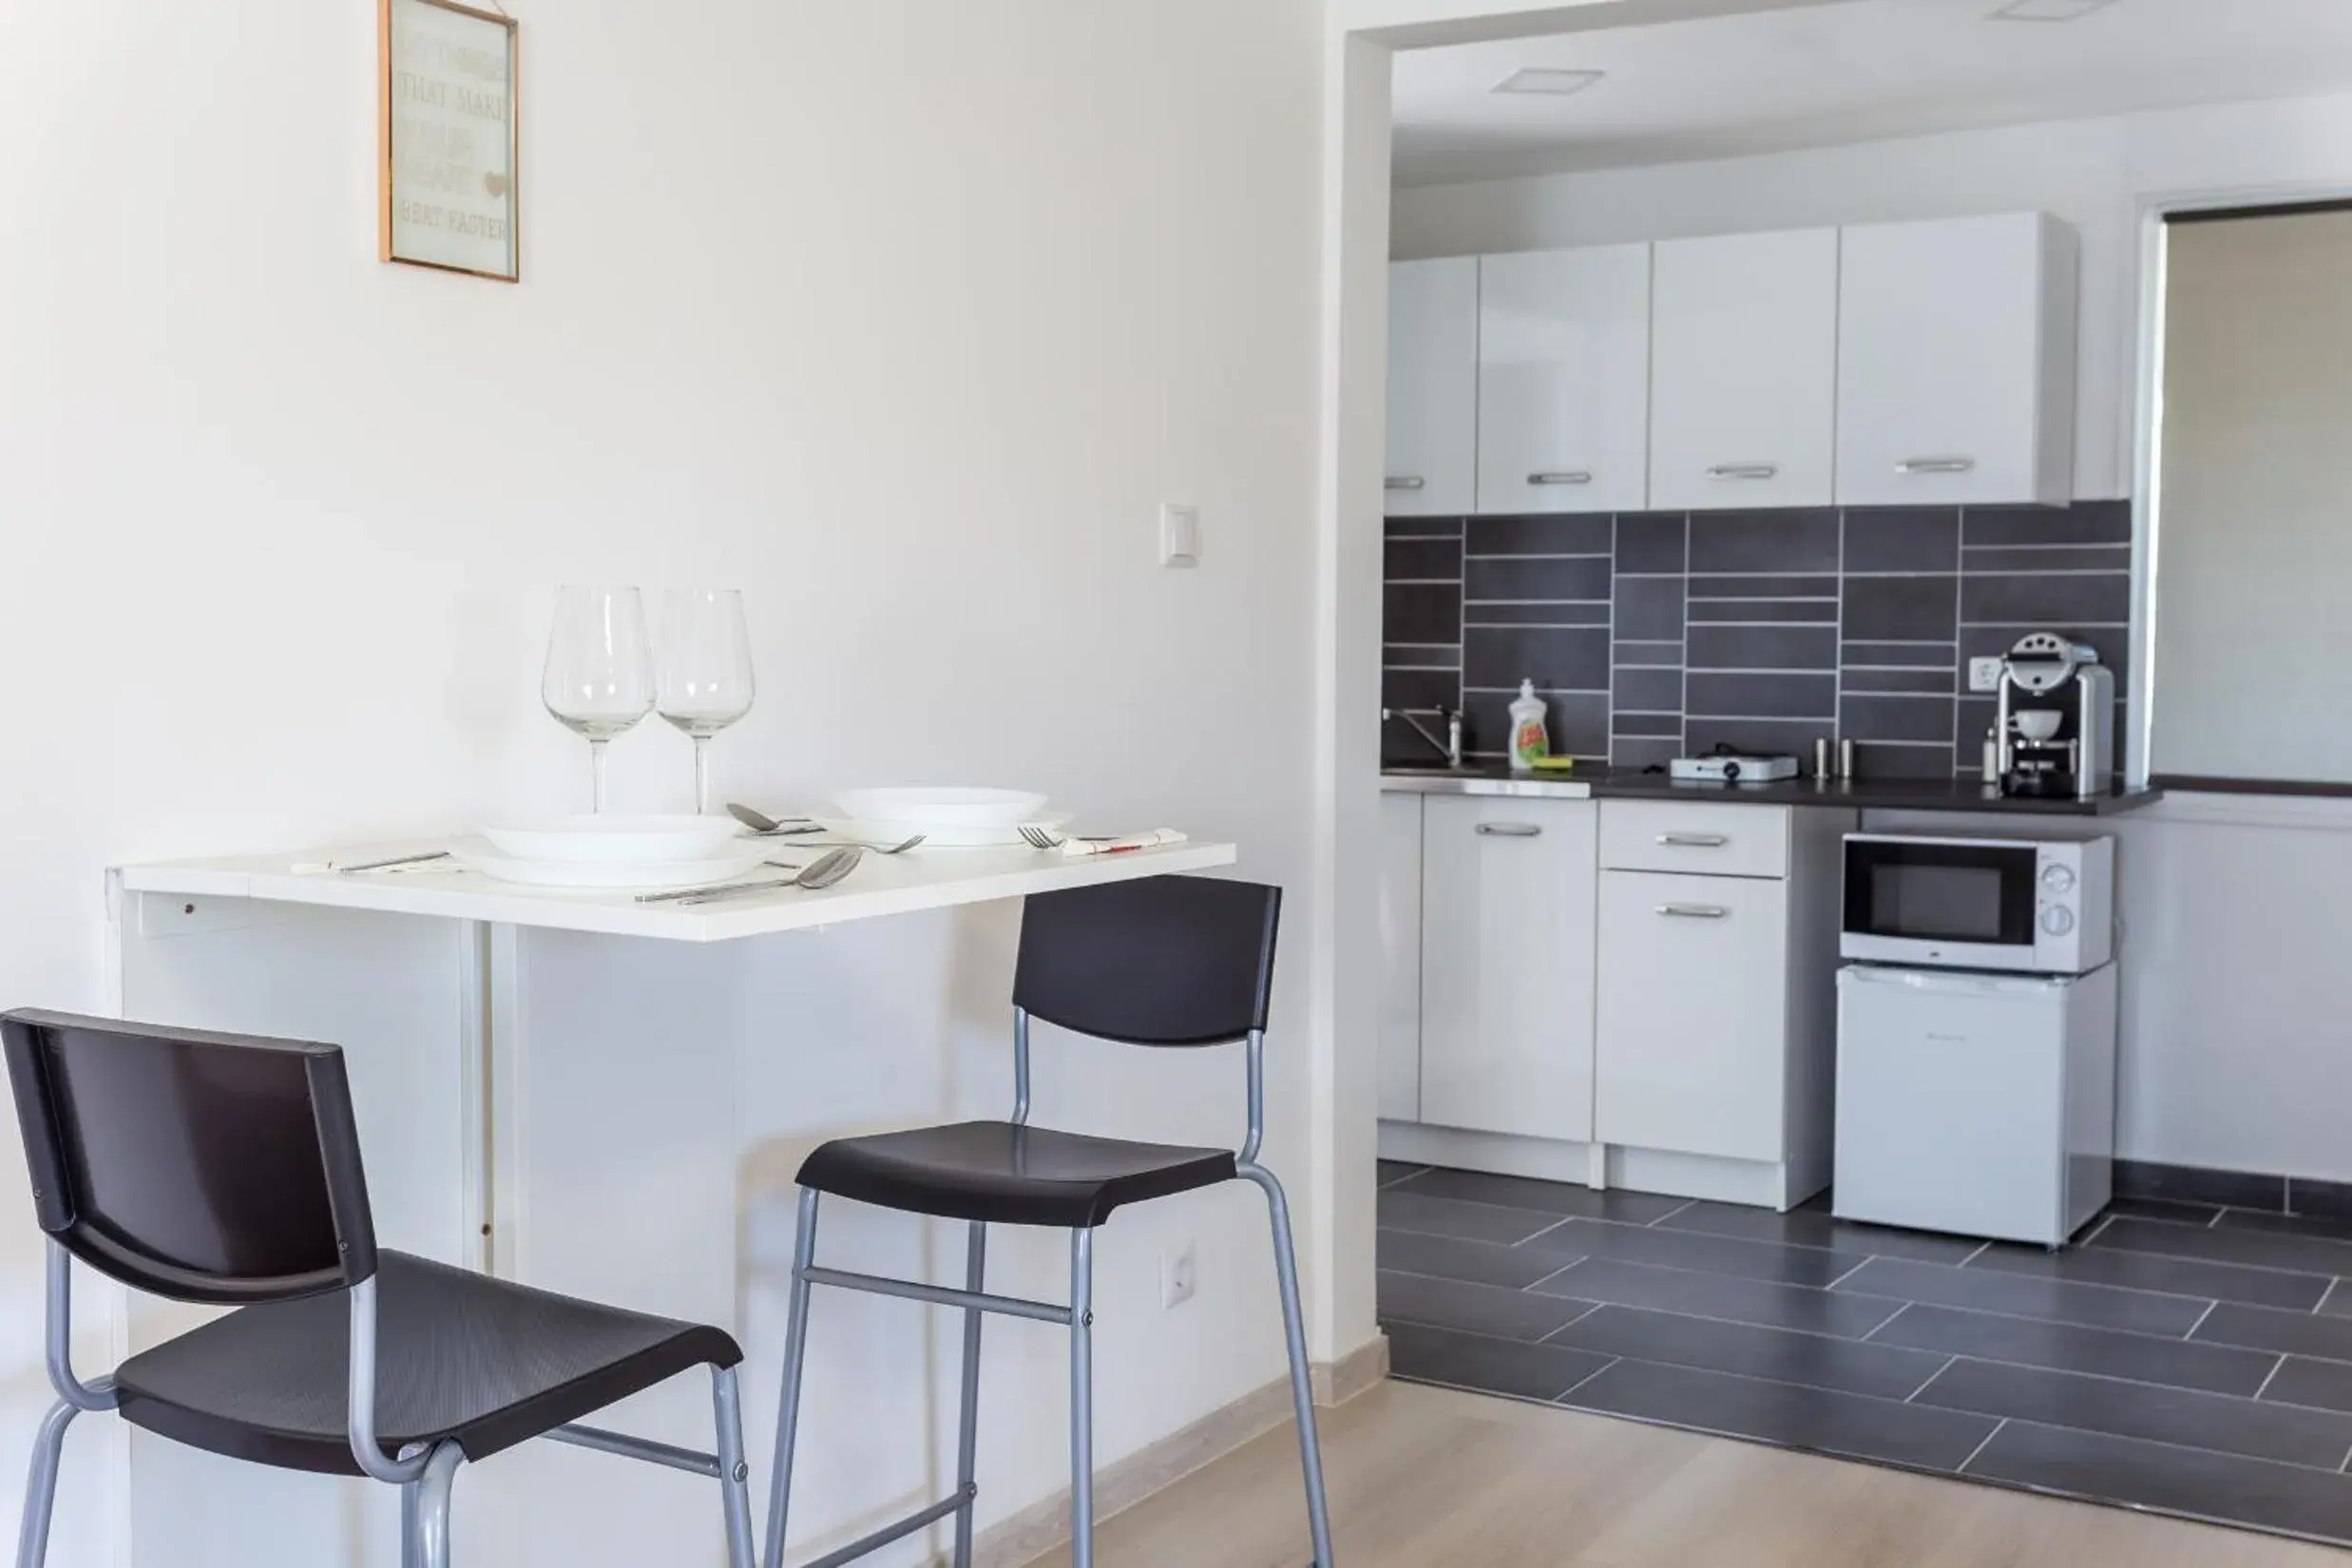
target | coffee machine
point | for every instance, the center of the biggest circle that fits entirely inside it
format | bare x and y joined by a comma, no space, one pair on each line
2057,725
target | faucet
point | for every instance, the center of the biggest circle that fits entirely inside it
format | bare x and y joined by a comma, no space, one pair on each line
1450,748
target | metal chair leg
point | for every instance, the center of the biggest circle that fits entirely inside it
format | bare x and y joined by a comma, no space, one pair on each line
967,1436
433,1506
734,1474
1302,1379
407,1527
788,1411
32,1542
1081,1399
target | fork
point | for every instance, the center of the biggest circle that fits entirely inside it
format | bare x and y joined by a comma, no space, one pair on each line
815,876
1045,838
899,847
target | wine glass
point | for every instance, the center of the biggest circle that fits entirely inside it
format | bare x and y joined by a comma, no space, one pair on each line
600,680
706,671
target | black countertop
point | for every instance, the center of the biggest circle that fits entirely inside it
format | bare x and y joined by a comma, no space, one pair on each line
1865,794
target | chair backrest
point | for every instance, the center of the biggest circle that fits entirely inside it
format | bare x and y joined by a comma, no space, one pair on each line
197,1166
1160,961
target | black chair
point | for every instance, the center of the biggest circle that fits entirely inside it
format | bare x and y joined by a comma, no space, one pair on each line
210,1168
1163,961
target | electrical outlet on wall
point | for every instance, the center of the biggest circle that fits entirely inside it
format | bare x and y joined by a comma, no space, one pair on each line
1179,1274
1984,675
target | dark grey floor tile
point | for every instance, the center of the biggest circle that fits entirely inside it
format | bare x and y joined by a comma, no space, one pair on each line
2311,1198
1444,1217
2174,1211
2138,1271
1810,1227
1481,1262
1550,1198
1473,1308
2314,1227
2182,1480
1811,1419
1797,1306
1707,1254
1778,1355
2326,1385
1490,1366
2229,1425
2194,1183
2224,1243
2338,1302
1394,1170
2022,1295
2069,1347
2261,1328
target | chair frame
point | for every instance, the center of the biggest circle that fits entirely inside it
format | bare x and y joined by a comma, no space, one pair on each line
1077,1317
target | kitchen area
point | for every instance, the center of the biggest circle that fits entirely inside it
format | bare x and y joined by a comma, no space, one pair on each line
1781,918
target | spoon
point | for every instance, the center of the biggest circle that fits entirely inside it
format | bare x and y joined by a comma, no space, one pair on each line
766,826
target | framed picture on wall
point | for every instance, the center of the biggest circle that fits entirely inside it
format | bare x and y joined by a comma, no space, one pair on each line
449,196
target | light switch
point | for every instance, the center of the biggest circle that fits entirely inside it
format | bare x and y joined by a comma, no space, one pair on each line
1180,535
1984,675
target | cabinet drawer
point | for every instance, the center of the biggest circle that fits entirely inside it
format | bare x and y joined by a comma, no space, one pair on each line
1708,840
1692,1026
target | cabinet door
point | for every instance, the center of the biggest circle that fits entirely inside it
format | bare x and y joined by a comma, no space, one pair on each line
1400,957
1956,362
1692,1019
1744,370
1563,381
1506,948
1433,387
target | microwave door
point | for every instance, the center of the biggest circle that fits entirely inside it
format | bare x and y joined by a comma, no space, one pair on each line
1909,901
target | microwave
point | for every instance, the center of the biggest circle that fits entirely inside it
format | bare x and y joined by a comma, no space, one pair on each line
2012,906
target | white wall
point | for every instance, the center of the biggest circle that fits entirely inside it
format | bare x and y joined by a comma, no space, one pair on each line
2093,172
903,315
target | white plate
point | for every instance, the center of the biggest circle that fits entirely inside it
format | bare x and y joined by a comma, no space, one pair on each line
936,837
928,810
477,855
616,840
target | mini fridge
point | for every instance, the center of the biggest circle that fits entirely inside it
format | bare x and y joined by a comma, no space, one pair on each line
1977,1104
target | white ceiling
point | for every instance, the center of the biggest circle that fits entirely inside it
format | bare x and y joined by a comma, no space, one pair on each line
1871,69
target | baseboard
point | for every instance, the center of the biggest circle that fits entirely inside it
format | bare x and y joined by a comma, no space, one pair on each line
1044,1525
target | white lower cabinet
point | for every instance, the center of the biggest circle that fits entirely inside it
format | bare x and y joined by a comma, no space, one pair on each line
1694,991
1400,958
1507,965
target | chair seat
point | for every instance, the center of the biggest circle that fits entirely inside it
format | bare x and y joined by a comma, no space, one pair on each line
459,1355
1008,1174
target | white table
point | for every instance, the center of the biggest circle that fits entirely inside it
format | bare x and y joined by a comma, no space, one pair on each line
605,1098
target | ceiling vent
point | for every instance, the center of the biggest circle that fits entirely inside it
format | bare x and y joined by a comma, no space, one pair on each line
1549,82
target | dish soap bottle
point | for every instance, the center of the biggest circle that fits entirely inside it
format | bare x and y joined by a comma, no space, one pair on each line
1529,739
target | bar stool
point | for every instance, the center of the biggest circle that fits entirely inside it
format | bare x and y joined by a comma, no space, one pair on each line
1160,962
222,1170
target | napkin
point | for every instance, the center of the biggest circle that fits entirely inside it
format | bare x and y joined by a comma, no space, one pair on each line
1119,846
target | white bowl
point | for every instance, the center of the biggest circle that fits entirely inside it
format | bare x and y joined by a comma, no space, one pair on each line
942,807
608,839
2037,724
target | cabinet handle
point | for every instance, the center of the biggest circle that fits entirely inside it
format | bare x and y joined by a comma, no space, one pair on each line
1407,482
1936,465
1509,829
1694,911
1571,476
1744,471
1693,841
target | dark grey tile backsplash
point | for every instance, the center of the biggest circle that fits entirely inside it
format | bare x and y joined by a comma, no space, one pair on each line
1655,634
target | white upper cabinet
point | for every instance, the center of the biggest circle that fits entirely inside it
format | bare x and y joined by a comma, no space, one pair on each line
1433,387
1956,362
1563,381
1744,370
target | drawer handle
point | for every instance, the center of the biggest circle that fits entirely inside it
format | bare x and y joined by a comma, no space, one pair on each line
1936,465
1407,482
1744,471
1693,841
1572,476
1509,829
1694,911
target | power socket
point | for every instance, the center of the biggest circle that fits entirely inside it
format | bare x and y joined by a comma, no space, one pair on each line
1179,1276
1984,675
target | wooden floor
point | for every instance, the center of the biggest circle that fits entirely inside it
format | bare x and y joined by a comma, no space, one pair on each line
1427,1478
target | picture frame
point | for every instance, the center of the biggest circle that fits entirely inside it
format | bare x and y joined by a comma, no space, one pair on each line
448,124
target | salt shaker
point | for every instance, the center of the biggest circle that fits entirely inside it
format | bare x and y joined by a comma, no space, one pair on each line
1845,759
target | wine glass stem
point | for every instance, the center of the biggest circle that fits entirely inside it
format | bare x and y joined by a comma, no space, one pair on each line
596,764
703,774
